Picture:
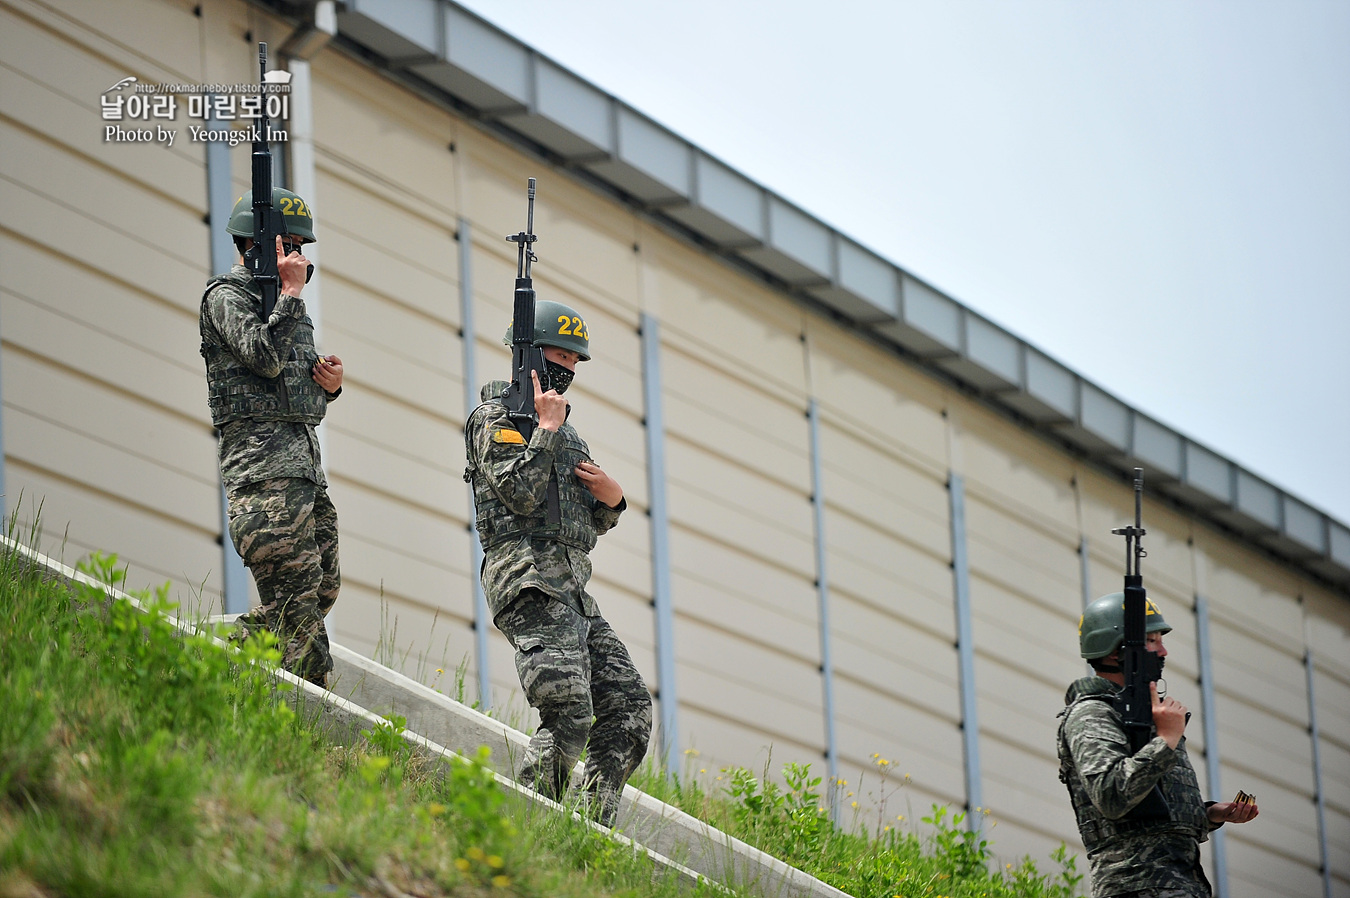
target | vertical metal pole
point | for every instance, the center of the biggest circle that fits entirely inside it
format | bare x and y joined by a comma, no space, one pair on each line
965,647
1209,714
1319,797
1085,582
220,202
468,334
666,692
1084,575
823,596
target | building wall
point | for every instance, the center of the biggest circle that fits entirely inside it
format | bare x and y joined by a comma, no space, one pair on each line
103,256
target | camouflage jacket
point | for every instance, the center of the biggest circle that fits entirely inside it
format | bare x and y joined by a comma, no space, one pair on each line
1106,782
239,346
510,481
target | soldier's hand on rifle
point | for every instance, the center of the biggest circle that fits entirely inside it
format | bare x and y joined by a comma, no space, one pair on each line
293,268
551,406
1169,716
601,485
327,373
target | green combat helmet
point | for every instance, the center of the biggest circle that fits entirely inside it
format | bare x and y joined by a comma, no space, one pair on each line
558,325
1101,629
295,211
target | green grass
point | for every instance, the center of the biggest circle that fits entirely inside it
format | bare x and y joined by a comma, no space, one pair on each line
940,859
137,761
886,857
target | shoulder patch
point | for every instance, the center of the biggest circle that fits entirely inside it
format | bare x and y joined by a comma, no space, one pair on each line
506,435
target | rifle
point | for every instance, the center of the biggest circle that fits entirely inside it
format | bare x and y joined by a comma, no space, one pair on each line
518,397
525,356
1139,666
268,222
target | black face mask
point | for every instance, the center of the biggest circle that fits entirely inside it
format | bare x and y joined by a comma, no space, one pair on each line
559,378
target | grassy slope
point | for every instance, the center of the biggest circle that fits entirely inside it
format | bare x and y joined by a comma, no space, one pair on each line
134,762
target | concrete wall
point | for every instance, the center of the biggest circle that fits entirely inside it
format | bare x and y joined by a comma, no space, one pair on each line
103,255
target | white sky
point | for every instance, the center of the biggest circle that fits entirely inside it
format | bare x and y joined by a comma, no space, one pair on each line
1155,193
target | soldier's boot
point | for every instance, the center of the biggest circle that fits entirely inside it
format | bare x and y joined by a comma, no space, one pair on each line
542,769
554,749
603,800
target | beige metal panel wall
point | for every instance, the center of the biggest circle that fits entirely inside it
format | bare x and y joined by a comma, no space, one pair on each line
386,202
1025,594
888,542
1261,693
738,490
103,255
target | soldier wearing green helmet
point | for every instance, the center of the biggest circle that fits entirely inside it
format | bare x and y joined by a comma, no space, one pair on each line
294,211
268,389
1132,853
1101,629
540,505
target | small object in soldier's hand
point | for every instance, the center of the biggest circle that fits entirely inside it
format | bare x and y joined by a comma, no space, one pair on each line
1244,798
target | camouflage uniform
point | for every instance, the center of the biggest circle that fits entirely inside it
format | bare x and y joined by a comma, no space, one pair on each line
266,405
1156,858
571,664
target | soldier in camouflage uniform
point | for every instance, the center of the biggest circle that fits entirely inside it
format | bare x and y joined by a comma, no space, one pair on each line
572,665
268,389
1151,857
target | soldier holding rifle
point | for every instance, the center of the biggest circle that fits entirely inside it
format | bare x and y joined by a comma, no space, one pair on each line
1122,751
541,502
268,389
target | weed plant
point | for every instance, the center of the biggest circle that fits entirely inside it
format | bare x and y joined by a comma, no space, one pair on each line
135,760
944,859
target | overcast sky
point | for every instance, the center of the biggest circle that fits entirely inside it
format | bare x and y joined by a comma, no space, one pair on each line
1155,193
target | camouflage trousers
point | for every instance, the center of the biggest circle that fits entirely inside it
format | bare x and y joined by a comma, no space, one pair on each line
575,670
286,532
1197,892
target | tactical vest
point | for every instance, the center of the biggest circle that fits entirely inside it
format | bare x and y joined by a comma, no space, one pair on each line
235,392
1179,786
498,524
